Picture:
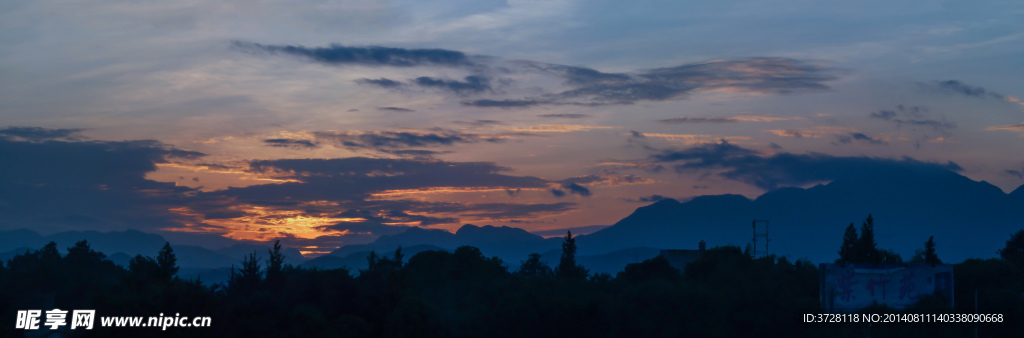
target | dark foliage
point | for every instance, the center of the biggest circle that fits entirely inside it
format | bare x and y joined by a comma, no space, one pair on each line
724,293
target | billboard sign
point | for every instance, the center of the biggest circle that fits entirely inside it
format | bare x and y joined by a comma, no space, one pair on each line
850,287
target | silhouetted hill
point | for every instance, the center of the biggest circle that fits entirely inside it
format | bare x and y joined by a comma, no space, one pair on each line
191,256
207,276
357,260
1018,193
610,263
120,258
20,238
238,251
510,244
586,229
968,218
668,224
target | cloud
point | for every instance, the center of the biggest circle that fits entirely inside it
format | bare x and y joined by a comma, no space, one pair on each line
783,169
731,119
500,210
884,114
689,120
564,116
472,85
353,179
1012,127
755,75
646,199
577,189
395,109
581,85
558,192
337,54
36,134
480,123
652,198
960,88
383,222
381,82
575,75
609,178
504,103
859,137
60,185
475,210
358,194
914,116
558,128
398,142
1015,173
290,143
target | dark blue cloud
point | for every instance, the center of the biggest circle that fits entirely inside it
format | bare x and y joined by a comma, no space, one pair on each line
381,82
505,103
646,199
290,143
395,109
591,87
960,88
652,198
36,134
785,169
577,189
693,120
60,185
472,85
480,123
913,116
398,142
337,54
564,116
859,137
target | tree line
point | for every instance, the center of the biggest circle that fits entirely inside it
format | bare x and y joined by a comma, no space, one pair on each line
463,293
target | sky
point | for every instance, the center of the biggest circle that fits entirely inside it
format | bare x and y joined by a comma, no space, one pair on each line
325,123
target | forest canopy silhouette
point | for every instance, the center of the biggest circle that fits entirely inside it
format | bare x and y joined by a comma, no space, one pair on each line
726,292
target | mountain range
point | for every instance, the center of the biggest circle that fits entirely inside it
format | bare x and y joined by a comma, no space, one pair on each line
968,219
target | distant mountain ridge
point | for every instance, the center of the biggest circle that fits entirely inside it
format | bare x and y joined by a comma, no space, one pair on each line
505,242
968,219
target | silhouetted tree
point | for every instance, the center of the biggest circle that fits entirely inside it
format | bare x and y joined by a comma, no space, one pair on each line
1014,249
534,267
865,248
886,256
654,268
167,262
927,256
247,278
847,251
371,260
275,265
930,257
567,267
143,269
